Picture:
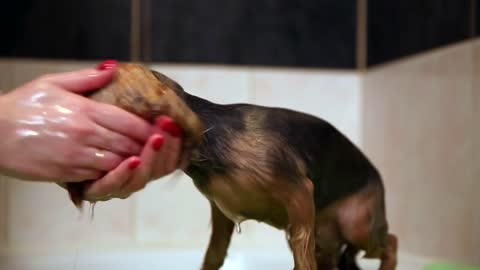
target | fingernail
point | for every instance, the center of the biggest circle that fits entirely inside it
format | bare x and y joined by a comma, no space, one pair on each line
134,163
168,125
107,65
157,143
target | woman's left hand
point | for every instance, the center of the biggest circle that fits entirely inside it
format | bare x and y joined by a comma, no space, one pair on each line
159,157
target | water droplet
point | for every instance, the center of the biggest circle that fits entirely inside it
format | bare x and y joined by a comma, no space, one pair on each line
92,210
239,229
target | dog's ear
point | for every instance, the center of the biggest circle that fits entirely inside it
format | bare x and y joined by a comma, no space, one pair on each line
169,82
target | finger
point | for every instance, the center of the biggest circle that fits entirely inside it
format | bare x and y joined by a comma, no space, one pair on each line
143,174
112,181
170,153
80,81
81,174
120,121
167,158
73,173
94,158
113,142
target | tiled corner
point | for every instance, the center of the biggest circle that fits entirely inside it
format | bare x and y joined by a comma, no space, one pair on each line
418,130
333,96
476,147
41,216
217,84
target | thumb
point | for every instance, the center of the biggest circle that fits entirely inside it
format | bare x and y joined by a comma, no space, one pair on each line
84,80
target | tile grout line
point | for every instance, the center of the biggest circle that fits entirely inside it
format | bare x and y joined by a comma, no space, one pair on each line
135,27
146,30
361,35
473,18
361,59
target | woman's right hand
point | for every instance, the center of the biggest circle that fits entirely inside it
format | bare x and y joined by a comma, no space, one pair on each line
51,133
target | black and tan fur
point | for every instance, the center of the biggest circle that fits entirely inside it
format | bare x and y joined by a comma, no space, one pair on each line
293,171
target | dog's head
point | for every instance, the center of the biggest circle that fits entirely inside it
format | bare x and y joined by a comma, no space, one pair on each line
148,94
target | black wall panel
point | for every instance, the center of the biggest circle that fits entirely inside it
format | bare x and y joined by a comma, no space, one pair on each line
87,29
402,28
301,33
311,33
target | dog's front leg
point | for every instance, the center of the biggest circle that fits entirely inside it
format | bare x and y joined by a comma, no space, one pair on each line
222,229
301,231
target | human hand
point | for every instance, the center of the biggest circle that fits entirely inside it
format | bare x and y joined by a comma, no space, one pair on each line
159,157
51,133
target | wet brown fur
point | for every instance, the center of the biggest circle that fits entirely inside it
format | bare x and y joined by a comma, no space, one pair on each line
250,165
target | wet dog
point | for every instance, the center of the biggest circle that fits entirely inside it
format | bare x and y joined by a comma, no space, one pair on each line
288,169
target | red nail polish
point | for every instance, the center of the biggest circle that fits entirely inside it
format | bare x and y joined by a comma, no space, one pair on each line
107,65
168,125
134,164
157,143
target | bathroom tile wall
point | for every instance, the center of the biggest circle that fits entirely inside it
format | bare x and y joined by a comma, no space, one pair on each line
418,127
476,150
333,96
220,84
3,214
5,83
6,74
42,219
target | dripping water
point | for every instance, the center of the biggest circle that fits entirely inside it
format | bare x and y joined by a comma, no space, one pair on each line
81,227
239,229
92,210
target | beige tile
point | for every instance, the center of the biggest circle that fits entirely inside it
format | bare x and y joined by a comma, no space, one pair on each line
6,71
418,130
26,70
3,213
333,96
172,213
41,216
476,148
217,84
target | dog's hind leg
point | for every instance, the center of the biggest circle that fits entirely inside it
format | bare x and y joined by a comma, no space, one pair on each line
389,254
222,229
364,226
348,259
328,242
301,230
